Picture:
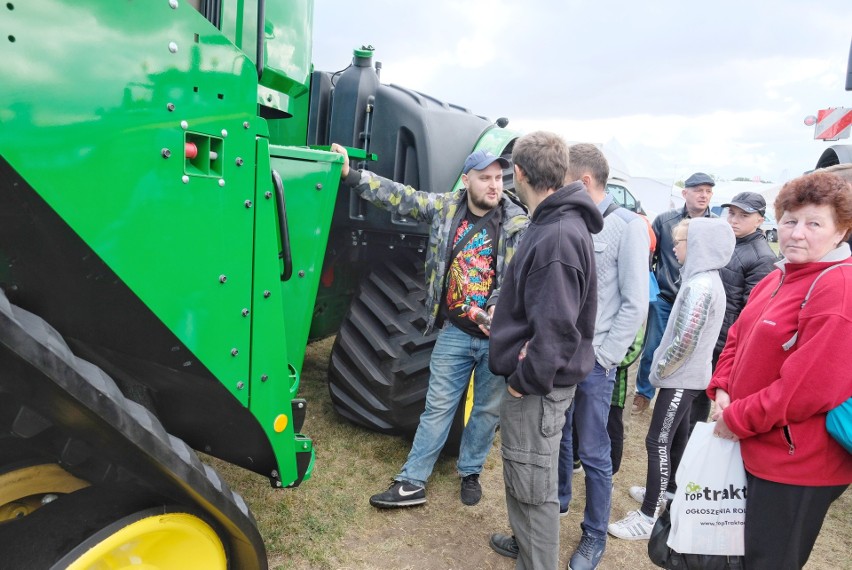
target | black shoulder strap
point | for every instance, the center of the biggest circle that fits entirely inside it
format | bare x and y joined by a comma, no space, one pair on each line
475,230
613,206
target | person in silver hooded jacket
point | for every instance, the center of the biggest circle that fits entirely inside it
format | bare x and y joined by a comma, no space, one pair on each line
681,367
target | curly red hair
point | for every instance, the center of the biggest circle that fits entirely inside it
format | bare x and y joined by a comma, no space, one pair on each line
818,188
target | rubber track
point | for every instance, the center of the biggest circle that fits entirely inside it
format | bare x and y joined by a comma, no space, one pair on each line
379,368
60,393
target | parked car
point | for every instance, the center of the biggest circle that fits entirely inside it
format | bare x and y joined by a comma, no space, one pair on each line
617,188
769,227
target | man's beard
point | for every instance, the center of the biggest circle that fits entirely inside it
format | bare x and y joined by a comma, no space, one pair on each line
482,202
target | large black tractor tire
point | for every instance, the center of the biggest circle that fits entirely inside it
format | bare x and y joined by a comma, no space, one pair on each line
113,527
118,462
379,369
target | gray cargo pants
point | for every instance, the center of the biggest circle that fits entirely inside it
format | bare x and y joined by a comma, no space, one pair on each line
531,429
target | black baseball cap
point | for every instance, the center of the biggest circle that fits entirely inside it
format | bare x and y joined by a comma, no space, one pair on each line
748,202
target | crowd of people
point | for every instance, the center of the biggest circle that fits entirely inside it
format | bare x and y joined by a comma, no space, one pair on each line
545,305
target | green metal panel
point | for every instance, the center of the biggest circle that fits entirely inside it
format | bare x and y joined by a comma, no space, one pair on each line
287,46
288,36
310,179
239,24
281,311
136,122
91,138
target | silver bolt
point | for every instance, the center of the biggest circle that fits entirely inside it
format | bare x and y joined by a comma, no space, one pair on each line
222,182
170,107
246,125
173,4
274,474
223,278
301,405
239,161
301,273
240,385
166,153
266,294
264,377
319,186
245,312
224,133
173,47
248,203
184,125
185,179
49,498
304,446
234,352
267,195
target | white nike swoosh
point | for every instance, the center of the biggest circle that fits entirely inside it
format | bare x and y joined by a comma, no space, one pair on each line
405,493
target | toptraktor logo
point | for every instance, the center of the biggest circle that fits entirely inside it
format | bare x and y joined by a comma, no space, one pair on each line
696,492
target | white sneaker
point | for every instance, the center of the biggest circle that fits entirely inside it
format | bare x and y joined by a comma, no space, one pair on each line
635,526
637,493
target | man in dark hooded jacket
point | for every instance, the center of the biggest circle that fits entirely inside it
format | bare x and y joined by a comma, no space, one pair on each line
541,342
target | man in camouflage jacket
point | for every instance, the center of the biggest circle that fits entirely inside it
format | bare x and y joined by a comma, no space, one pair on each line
482,227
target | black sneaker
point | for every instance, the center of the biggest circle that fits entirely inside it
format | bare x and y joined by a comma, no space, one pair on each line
399,494
471,490
504,545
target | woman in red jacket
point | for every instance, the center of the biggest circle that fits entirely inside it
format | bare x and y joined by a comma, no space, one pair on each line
784,367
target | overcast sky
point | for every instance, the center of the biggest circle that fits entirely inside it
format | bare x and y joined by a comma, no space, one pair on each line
721,87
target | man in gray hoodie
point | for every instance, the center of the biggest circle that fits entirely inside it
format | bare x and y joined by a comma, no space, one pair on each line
621,261
681,368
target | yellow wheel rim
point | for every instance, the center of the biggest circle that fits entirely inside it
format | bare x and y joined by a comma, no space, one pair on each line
170,541
468,402
21,490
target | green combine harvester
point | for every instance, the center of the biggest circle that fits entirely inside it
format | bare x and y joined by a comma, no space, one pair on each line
171,237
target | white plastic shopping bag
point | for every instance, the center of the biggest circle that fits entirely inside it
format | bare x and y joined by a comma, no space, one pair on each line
708,511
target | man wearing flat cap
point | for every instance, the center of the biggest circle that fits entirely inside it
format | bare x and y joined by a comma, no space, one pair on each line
473,235
697,192
751,261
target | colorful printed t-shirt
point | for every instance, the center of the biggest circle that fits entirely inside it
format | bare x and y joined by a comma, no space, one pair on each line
472,274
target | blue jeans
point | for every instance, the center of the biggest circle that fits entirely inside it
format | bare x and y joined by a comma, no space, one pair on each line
455,355
590,413
658,317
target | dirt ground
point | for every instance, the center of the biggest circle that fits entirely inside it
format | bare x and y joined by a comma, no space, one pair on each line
446,535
